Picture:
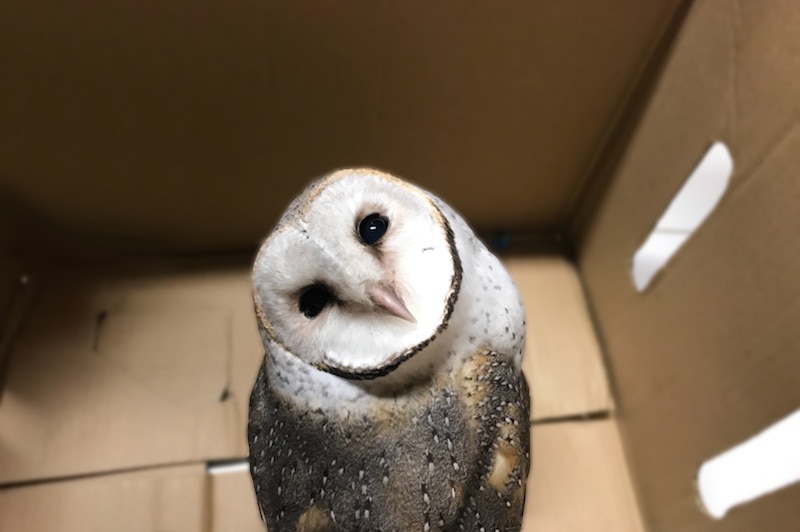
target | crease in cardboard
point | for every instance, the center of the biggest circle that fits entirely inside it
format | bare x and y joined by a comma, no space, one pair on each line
170,498
583,208
65,479
580,199
562,360
588,416
734,98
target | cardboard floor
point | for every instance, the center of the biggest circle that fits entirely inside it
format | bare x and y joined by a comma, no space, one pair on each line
121,387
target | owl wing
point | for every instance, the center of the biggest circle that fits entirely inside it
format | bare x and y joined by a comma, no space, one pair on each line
497,398
255,422
301,518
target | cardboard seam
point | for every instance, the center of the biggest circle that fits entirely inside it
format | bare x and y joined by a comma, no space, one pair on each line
618,414
208,503
602,347
97,474
576,218
596,415
634,493
776,146
643,73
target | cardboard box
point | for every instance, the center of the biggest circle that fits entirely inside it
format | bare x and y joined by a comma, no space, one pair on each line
707,357
173,499
147,148
161,364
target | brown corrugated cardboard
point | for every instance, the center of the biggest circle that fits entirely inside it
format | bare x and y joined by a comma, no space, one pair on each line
127,370
168,128
579,481
173,499
562,359
708,356
161,365
9,275
130,371
234,506
16,293
188,127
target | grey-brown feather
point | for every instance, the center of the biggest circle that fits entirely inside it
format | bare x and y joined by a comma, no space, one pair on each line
435,467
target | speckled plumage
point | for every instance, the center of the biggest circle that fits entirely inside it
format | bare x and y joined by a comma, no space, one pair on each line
433,434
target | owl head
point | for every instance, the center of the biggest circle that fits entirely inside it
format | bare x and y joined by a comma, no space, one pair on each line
360,275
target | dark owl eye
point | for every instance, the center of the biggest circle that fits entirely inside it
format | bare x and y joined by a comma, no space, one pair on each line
314,299
372,227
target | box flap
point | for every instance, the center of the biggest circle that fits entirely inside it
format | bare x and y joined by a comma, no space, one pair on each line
708,355
132,371
171,499
562,361
178,126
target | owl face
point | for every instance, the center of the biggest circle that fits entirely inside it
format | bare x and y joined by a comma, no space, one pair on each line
361,274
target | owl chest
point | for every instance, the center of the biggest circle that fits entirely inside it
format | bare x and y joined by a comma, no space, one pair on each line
405,471
457,457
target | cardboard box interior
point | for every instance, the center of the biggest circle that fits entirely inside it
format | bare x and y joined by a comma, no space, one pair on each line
173,498
550,120
708,356
112,373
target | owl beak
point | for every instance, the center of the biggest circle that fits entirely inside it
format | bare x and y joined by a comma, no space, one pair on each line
387,299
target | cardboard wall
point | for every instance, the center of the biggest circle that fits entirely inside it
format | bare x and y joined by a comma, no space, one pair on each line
562,360
9,280
151,368
173,126
166,126
16,294
116,371
172,499
123,370
708,355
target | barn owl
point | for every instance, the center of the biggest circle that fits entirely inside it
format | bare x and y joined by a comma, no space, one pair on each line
391,395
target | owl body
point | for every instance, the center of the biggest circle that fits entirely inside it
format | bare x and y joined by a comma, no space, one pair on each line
391,395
